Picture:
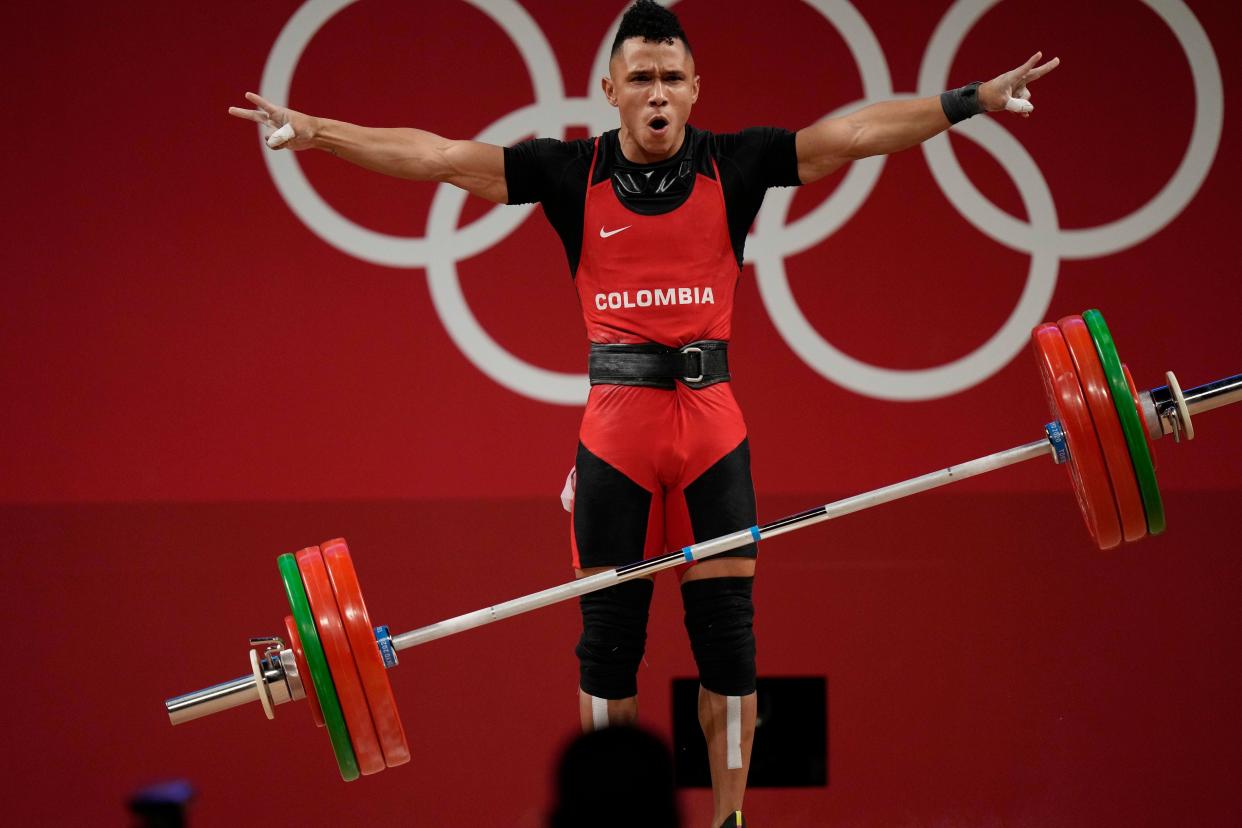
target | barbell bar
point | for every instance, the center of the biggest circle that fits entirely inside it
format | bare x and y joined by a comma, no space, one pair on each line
1079,436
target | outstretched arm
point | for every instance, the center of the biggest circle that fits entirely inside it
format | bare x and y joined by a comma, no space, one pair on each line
892,126
405,153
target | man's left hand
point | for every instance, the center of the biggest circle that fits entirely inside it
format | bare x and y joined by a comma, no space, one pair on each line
1011,90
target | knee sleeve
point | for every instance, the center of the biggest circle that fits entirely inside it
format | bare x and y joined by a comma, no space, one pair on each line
614,633
720,620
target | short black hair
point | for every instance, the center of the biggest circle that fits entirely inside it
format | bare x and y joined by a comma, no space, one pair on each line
650,21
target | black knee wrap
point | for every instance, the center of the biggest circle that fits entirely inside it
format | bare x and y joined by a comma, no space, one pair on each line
719,618
614,633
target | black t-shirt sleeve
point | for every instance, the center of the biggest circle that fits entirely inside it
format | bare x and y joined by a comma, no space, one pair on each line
750,162
554,174
761,157
535,169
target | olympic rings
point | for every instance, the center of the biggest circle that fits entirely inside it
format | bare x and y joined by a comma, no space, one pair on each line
943,380
772,240
1082,243
317,214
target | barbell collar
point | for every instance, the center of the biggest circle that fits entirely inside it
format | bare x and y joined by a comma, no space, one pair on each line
1202,398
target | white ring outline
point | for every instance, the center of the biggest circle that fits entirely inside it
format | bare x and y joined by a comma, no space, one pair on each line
459,321
557,387
1104,239
339,231
493,359
949,378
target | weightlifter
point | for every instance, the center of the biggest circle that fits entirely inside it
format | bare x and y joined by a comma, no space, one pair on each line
653,216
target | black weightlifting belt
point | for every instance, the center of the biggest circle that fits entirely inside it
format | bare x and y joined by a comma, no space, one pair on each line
696,365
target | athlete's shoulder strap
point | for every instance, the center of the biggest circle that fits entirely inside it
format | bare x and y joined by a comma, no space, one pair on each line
594,158
601,157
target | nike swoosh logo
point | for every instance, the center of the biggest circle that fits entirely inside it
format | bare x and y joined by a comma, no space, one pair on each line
603,234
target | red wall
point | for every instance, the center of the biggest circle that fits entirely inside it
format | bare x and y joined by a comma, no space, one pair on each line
197,381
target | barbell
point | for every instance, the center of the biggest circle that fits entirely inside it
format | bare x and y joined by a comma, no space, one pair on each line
1103,430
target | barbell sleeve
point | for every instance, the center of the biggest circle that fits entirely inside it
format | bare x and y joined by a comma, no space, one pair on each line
218,697
1214,394
1205,397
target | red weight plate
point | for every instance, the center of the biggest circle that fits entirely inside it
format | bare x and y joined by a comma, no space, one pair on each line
295,644
340,661
370,665
1107,425
1086,462
1151,444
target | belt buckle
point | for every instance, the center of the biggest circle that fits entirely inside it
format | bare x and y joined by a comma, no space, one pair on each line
690,349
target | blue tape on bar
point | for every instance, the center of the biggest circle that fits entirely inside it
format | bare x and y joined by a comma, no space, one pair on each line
754,533
1056,436
384,639
685,550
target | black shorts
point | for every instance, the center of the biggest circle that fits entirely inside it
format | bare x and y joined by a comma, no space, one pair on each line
658,470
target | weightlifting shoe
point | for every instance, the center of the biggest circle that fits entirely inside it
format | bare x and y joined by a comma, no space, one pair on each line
734,820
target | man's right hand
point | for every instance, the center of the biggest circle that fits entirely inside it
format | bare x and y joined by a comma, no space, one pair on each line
276,117
413,154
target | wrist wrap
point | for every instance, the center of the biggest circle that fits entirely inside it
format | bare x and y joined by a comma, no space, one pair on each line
961,103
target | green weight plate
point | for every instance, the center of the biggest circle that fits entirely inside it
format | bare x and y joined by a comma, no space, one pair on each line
1136,438
317,661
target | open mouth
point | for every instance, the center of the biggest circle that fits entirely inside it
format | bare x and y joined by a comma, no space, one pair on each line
658,123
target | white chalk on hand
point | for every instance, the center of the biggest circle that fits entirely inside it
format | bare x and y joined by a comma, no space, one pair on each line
280,136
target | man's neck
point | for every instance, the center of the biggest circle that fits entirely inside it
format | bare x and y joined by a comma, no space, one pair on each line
633,152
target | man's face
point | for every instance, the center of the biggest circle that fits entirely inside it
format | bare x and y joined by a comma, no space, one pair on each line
653,86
